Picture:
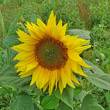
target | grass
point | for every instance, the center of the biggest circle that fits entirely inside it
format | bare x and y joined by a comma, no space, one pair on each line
79,14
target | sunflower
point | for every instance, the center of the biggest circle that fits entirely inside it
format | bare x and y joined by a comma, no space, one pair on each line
50,56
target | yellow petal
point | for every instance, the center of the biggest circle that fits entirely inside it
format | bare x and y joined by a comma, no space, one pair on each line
81,49
24,37
59,25
51,23
60,86
21,68
39,80
25,74
34,31
76,58
35,75
45,78
70,83
23,47
76,68
65,75
42,26
23,55
58,77
58,32
64,78
32,65
69,40
37,32
25,62
74,41
45,87
52,80
80,71
74,78
63,31
73,66
79,42
68,69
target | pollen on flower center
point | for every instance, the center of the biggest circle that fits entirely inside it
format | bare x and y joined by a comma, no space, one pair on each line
51,53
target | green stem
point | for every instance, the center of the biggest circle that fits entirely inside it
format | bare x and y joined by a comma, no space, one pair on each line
39,106
2,23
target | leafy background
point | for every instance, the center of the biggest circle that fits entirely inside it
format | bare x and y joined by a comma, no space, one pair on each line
90,19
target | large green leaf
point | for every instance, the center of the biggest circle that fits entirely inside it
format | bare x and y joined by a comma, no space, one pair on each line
77,90
10,77
16,81
9,41
8,71
84,34
13,26
49,102
90,103
97,76
93,71
82,94
63,106
12,53
102,82
66,96
22,102
93,107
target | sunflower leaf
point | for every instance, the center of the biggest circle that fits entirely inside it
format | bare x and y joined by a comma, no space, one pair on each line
15,81
102,81
10,77
93,71
82,94
90,103
9,41
63,106
66,96
97,76
50,100
22,102
77,91
84,34
13,26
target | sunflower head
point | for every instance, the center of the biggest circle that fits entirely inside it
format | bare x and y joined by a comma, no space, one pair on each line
50,56
51,53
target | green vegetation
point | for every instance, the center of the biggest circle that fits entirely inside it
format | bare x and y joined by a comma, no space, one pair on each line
91,15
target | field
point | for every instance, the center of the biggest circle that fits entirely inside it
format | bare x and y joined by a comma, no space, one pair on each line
90,19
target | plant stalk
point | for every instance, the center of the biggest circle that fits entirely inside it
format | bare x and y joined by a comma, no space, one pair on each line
2,23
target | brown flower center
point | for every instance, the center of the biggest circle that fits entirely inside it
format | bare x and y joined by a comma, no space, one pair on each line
51,53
